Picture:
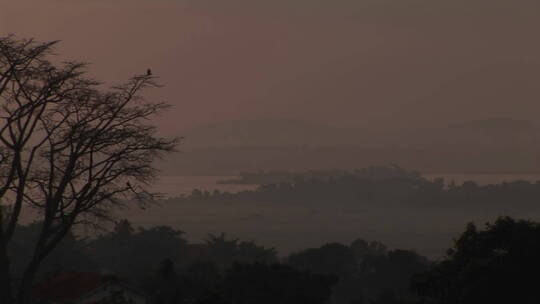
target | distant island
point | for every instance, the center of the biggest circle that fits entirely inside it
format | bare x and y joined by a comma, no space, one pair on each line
275,177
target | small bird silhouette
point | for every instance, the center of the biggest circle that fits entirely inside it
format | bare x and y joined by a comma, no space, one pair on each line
148,72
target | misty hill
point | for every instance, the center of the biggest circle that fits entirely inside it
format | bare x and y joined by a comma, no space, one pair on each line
278,177
269,132
502,92
494,132
297,133
395,206
227,148
509,130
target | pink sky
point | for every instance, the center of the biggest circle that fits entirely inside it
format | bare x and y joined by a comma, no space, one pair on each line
349,62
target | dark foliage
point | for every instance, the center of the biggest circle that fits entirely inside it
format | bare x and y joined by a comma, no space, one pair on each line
365,270
495,265
161,263
385,187
274,284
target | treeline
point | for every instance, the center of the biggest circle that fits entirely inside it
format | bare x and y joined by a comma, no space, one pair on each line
379,187
496,264
277,177
163,264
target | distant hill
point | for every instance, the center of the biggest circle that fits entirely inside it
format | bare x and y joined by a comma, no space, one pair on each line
494,132
269,132
500,127
297,133
227,148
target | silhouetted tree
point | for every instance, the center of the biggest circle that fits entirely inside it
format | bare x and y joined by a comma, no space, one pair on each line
275,284
224,252
392,273
365,269
200,282
70,254
334,258
363,249
496,265
164,285
67,148
130,253
331,259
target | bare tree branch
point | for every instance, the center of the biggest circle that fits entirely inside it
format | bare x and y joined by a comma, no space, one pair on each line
67,148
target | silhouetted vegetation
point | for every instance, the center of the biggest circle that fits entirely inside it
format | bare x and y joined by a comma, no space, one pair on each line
69,149
376,186
495,265
366,270
301,91
277,177
223,270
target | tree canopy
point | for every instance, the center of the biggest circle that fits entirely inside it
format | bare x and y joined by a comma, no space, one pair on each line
69,148
494,265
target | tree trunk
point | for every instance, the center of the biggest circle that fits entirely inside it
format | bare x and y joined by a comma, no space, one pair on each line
24,294
6,284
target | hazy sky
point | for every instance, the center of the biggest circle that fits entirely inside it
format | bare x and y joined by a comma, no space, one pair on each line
377,62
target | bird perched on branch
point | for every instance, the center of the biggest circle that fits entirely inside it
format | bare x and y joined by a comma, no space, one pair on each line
148,72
